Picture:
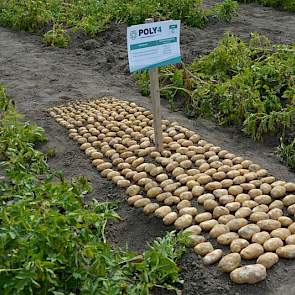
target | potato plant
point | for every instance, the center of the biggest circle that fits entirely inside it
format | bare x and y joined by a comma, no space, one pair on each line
191,184
281,4
54,243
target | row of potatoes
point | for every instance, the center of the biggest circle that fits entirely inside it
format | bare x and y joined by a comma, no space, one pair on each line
244,207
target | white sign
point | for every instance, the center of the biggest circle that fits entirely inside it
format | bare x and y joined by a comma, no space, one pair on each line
153,45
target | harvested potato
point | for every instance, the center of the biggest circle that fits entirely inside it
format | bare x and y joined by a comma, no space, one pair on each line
194,240
290,240
188,210
272,244
224,219
291,209
235,190
268,224
291,228
229,262
209,204
154,192
250,204
290,187
170,218
238,245
242,198
142,202
183,221
243,212
211,186
183,204
203,217
186,196
218,230
249,274
171,200
133,190
104,166
163,196
213,257
260,208
254,193
257,216
197,191
233,206
226,183
150,208
170,187
226,199
281,233
204,179
162,211
208,224
276,204
133,199
247,231
263,199
265,188
260,237
124,183
285,221
289,200
219,211
227,238
275,213
237,223
180,190
278,192
252,251
268,259
287,251
203,248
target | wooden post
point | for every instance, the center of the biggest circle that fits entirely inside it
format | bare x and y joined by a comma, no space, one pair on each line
155,96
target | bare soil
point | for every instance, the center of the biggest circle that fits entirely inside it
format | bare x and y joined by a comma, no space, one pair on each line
38,77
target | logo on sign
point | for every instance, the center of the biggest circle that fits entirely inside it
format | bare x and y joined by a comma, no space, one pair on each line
149,31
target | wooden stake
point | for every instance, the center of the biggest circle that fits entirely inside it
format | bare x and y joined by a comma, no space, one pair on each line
155,96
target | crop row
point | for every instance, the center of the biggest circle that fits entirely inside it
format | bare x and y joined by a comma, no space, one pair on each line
249,85
93,17
54,243
281,4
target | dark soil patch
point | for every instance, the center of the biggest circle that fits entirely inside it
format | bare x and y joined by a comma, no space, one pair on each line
39,77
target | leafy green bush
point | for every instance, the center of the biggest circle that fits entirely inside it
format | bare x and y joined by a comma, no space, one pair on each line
93,16
56,37
248,85
54,243
286,152
282,4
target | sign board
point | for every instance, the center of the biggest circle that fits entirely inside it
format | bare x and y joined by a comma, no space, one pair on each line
152,45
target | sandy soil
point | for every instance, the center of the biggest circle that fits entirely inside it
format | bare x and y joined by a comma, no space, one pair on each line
39,77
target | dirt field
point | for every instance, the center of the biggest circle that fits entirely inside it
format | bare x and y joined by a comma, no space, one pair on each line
39,77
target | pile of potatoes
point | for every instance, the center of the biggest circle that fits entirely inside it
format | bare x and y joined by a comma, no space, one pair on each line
194,185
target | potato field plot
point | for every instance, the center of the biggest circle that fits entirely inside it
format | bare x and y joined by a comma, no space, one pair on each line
200,188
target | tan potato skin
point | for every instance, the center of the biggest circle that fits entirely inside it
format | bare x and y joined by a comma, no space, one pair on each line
203,248
230,262
287,251
268,259
272,244
252,251
238,245
213,257
227,238
249,274
183,221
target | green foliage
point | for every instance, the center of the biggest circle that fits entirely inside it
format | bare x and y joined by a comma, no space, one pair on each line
281,4
250,85
51,242
286,152
93,17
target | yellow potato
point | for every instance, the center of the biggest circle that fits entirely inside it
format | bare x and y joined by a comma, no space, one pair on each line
227,238
204,179
268,259
171,200
218,193
272,244
104,166
276,204
163,196
150,208
242,198
257,216
142,202
211,186
183,204
285,221
226,199
133,190
188,210
254,193
238,245
287,251
235,190
224,219
133,199
203,217
291,209
249,274
275,213
154,192
263,199
124,183
208,224
170,218
219,211
213,257
203,248
289,200
237,223
247,231
290,187
170,187
226,183
260,237
291,228
260,208
194,240
250,204
243,212
183,221
197,191
290,240
233,206
229,262
278,192
162,211
139,176
265,188
218,230
203,198
252,251
269,224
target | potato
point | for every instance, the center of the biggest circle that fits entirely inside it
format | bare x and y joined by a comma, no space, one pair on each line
268,259
238,245
239,179
290,240
275,213
210,205
281,233
252,251
247,231
203,248
232,173
211,186
291,228
184,204
133,199
242,198
171,200
133,190
208,224
204,179
237,223
219,175
263,199
226,183
170,187
150,208
213,257
260,208
233,206
219,211
257,216
291,209
194,229
272,244
249,274
139,176
276,204
268,224
191,183
170,218
227,238
162,211
229,262
123,183
186,196
197,191
289,200
218,193
290,187
243,212
235,190
142,202
254,193
265,188
250,204
278,192
224,219
177,171
183,221
247,186
285,221
218,230
287,251
203,217
194,240
188,210
180,190
226,199
163,196
104,166
250,176
154,192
